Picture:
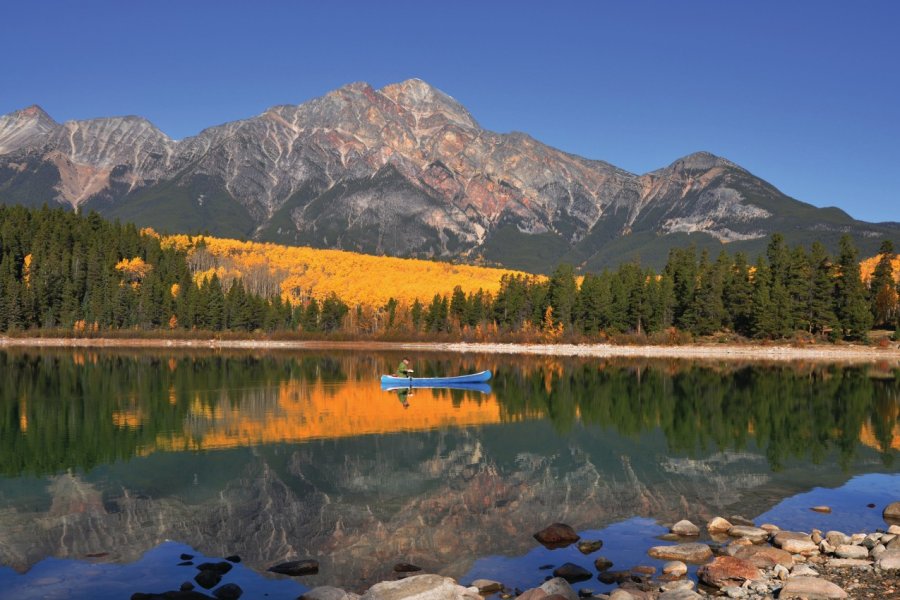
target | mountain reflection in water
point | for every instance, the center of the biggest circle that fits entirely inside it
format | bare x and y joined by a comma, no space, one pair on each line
275,456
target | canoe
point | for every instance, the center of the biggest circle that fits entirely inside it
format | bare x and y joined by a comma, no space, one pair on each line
435,381
484,388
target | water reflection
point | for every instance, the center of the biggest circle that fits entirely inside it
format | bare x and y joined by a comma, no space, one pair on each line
285,455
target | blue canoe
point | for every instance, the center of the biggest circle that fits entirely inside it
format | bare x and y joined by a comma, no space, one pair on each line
435,381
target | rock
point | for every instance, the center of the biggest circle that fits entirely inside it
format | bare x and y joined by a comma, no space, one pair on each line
406,568
557,535
585,593
572,573
837,538
804,571
685,528
727,570
849,551
737,545
219,567
779,538
734,591
718,525
602,563
186,563
675,568
825,547
894,530
781,572
559,586
296,568
187,557
739,520
187,586
805,547
621,594
821,509
644,570
691,553
678,584
229,591
208,579
765,557
233,558
327,592
816,537
857,538
586,547
810,588
770,528
891,513
609,577
848,563
889,560
679,595
422,587
877,551
487,586
754,534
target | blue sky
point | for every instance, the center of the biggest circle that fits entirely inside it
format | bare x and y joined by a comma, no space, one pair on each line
805,94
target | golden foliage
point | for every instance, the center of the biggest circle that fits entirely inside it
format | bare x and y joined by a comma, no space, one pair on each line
867,267
299,273
133,269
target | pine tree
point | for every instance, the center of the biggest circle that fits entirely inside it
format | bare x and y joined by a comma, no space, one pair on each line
820,308
415,313
333,312
739,296
563,291
310,320
852,308
762,325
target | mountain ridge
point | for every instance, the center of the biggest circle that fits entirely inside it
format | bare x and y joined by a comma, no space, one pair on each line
404,170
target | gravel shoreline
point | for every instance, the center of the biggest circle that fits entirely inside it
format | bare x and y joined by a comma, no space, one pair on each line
718,352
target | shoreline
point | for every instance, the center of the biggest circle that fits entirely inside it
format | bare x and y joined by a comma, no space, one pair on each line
716,352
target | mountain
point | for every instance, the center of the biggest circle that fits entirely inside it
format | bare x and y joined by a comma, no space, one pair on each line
405,171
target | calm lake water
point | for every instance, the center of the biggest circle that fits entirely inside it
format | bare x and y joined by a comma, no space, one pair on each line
113,464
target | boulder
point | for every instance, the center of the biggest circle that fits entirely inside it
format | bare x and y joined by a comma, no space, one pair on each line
296,568
572,573
765,557
689,553
770,528
754,534
685,528
229,591
837,538
804,547
422,587
894,530
208,579
849,551
621,594
848,563
487,586
675,568
810,588
557,535
558,586
718,525
891,513
779,538
727,570
889,560
327,592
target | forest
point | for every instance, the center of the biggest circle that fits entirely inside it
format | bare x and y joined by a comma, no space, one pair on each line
76,274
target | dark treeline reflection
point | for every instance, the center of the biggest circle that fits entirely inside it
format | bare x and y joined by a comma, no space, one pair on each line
789,412
63,410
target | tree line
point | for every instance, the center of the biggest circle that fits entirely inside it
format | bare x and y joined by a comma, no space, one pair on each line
64,270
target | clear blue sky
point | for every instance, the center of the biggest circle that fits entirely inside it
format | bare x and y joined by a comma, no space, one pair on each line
805,94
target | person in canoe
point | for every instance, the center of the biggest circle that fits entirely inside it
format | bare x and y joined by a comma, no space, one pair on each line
403,369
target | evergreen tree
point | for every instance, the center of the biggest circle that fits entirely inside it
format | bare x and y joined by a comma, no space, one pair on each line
820,309
739,296
563,291
415,314
763,325
333,312
310,320
852,308
458,305
708,310
681,268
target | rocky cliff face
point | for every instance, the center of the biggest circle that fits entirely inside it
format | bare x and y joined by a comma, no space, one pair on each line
404,170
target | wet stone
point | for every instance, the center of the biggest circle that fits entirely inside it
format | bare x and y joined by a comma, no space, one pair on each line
406,568
557,535
685,528
208,579
589,546
219,567
229,591
693,553
233,558
572,573
296,568
601,563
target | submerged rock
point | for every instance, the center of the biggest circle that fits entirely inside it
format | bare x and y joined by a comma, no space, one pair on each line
754,534
296,568
891,513
601,563
208,579
572,573
229,591
487,586
588,546
557,535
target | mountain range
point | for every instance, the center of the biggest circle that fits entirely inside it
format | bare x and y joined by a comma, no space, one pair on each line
404,170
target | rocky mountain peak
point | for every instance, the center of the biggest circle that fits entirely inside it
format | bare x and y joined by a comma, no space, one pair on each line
700,161
24,127
420,97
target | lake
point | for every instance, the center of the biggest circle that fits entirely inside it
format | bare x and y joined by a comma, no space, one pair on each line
114,464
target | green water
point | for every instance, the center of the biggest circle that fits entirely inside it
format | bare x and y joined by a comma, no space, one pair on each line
104,456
